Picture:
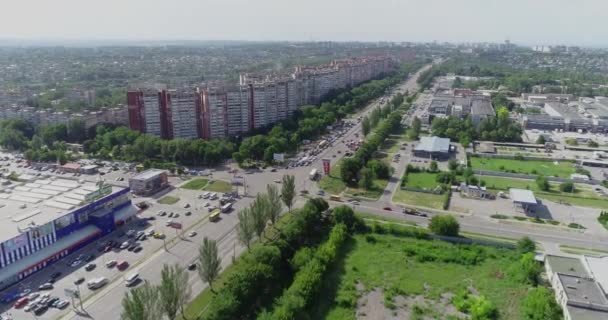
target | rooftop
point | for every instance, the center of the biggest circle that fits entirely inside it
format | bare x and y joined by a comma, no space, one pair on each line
583,292
148,174
482,107
433,144
40,201
522,196
567,265
598,267
585,314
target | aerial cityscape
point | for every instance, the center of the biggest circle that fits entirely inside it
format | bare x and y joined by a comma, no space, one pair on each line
303,161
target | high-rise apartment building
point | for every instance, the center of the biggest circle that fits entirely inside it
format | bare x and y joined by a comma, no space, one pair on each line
260,100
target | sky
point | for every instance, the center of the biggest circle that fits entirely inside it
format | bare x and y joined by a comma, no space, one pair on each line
528,22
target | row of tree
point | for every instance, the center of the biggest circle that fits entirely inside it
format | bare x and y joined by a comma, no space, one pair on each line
356,168
311,122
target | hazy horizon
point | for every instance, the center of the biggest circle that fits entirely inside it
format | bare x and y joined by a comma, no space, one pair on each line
541,22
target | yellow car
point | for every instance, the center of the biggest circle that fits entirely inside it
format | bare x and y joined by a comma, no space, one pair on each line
159,235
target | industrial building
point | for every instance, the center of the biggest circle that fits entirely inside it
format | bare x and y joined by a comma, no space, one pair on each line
461,103
148,182
433,148
585,115
45,219
580,285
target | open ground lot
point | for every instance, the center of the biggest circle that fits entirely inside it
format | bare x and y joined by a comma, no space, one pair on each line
584,195
421,199
422,180
369,284
195,184
561,169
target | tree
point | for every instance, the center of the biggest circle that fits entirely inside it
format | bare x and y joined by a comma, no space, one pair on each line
174,290
345,215
288,190
567,187
539,304
542,183
259,208
541,139
379,168
365,126
367,178
209,261
274,203
444,225
349,170
525,245
592,144
529,268
245,228
433,166
141,303
452,165
482,309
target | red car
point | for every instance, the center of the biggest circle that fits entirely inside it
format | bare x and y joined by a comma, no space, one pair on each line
122,265
21,302
387,209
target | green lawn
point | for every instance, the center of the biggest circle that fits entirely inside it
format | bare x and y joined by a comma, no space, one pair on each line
218,186
168,200
195,184
583,196
562,169
374,193
418,199
386,264
333,183
422,180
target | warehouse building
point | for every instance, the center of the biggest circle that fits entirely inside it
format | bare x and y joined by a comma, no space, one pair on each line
433,148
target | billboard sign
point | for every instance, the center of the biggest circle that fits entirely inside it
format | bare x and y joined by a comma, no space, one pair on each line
326,166
71,293
16,242
64,221
279,157
104,190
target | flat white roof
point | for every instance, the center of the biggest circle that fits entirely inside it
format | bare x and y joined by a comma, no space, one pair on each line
598,267
150,173
40,201
522,196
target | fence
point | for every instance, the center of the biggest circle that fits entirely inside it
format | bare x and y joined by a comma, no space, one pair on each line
482,173
422,190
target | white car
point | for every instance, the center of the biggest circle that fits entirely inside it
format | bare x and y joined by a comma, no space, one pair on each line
192,234
111,263
124,245
62,304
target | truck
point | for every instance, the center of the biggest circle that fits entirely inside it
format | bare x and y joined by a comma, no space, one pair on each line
313,174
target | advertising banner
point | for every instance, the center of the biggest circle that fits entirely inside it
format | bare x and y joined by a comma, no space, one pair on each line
41,231
279,157
64,221
326,166
16,242
104,190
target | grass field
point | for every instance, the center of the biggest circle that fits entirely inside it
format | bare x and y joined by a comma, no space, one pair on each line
333,183
562,169
583,196
418,199
195,184
218,186
422,180
374,193
384,263
168,200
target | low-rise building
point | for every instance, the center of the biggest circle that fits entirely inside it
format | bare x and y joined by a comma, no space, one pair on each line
433,148
580,285
148,182
523,200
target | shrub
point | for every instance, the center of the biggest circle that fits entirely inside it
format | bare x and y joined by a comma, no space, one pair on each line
445,225
576,226
525,245
567,187
446,199
499,216
539,304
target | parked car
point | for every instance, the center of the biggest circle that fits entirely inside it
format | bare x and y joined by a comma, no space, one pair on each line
111,263
46,286
192,266
90,267
79,281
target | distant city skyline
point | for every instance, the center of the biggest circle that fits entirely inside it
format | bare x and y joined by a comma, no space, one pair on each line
541,22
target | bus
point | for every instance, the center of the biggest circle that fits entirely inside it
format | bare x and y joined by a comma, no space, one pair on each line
227,207
214,216
97,283
335,198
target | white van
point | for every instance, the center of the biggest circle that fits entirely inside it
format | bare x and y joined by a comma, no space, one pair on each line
97,283
131,279
205,195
